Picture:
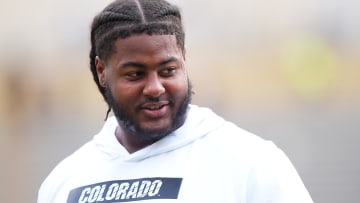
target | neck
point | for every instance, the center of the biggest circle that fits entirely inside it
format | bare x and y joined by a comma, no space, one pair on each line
130,142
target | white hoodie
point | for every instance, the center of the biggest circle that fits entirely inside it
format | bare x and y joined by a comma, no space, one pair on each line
206,160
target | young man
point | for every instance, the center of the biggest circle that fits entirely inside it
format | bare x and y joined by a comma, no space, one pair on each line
158,147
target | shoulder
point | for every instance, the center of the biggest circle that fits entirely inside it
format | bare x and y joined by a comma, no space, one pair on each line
76,167
231,137
270,172
239,145
64,171
212,131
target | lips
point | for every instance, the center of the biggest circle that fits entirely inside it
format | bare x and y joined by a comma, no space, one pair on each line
155,109
154,105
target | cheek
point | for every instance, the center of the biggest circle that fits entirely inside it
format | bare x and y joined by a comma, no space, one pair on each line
123,92
179,88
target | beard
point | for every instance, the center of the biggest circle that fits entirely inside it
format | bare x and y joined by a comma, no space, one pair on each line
128,123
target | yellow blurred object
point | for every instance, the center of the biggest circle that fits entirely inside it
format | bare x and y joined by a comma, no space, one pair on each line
309,65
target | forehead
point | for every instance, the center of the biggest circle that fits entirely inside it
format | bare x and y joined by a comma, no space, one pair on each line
146,44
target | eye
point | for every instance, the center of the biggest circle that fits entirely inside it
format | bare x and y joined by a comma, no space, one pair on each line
168,71
133,75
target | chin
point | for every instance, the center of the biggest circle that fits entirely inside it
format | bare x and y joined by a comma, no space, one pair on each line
156,133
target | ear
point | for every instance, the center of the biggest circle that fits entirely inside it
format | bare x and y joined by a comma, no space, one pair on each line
100,69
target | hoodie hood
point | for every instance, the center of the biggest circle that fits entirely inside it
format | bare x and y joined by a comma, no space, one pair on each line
199,122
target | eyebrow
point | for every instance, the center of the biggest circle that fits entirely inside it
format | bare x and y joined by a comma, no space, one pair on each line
132,64
141,65
169,60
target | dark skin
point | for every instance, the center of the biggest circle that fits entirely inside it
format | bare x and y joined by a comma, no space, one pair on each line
147,79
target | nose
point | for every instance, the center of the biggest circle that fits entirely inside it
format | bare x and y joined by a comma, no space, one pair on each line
153,87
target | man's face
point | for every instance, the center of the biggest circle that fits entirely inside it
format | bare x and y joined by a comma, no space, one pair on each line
147,85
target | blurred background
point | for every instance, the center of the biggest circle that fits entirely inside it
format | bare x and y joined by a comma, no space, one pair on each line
286,70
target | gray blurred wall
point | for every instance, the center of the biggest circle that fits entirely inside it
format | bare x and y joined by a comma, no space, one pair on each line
285,70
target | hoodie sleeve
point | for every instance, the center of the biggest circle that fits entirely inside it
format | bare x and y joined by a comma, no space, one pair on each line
275,180
49,188
54,187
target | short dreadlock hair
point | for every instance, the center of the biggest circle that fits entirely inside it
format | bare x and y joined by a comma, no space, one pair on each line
125,18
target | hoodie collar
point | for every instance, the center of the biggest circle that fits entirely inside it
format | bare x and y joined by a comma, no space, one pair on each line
199,122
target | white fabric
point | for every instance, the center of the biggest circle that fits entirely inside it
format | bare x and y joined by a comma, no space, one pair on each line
216,161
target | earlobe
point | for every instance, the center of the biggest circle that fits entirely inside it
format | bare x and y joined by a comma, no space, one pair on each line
100,69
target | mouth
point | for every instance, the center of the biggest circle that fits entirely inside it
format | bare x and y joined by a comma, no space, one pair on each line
154,105
155,110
